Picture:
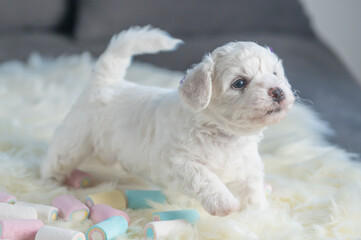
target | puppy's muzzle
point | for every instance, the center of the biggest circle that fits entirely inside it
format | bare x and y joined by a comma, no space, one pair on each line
277,94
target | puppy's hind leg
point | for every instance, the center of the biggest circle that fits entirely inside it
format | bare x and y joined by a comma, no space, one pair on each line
70,146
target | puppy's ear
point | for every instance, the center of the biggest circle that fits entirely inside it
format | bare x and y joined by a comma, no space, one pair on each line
196,88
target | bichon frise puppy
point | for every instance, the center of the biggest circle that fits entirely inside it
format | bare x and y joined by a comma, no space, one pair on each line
201,140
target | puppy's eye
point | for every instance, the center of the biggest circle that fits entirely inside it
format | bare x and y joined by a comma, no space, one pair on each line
239,84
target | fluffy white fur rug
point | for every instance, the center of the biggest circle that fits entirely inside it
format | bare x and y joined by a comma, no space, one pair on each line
316,187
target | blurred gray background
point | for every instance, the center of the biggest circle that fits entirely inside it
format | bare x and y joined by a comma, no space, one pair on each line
335,22
58,27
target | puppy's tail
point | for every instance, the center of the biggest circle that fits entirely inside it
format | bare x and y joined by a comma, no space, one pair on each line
113,63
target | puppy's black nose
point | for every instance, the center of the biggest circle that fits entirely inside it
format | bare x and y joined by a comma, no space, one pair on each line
277,94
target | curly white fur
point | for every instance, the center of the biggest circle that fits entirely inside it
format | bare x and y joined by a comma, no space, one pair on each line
201,139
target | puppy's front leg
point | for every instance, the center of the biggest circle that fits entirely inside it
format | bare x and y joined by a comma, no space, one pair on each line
250,191
196,180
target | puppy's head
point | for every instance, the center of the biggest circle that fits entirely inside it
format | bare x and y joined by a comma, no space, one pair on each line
240,87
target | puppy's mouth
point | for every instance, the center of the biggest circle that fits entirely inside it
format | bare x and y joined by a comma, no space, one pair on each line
273,111
272,115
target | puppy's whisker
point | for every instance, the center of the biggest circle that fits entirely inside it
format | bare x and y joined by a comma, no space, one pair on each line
299,99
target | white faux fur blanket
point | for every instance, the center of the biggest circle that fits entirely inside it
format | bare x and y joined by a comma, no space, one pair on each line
316,186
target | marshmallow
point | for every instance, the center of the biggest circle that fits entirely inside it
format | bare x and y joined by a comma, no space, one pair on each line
19,229
114,199
191,215
55,233
139,198
108,229
101,212
71,208
166,229
7,198
9,211
268,189
79,179
45,212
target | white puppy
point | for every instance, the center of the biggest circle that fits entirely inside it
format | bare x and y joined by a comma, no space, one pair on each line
201,140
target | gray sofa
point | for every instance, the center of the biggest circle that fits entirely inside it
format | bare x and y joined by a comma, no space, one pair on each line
57,27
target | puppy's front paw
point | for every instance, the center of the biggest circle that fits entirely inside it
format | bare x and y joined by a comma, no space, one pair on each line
260,204
221,204
256,199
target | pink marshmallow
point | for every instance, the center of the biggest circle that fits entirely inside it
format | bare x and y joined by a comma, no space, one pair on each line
19,229
71,208
101,212
7,198
79,179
